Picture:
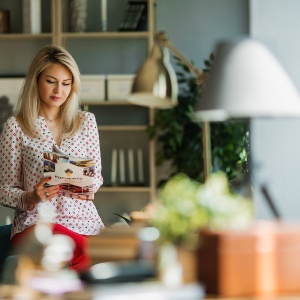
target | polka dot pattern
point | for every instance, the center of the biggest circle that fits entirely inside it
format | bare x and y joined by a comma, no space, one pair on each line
21,161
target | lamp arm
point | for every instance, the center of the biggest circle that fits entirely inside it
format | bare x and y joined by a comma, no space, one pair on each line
163,40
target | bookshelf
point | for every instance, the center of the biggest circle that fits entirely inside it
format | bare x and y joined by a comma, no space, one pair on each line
121,124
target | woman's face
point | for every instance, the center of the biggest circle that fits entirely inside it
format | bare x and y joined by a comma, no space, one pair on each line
54,85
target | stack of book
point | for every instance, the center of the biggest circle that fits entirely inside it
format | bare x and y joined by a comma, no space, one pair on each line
134,17
114,244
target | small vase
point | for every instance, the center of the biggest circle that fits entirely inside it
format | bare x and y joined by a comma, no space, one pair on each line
78,15
31,10
4,21
177,265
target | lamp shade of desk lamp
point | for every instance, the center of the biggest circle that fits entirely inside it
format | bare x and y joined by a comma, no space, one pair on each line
247,81
155,84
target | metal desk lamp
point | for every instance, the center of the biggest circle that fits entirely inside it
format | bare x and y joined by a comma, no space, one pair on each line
156,86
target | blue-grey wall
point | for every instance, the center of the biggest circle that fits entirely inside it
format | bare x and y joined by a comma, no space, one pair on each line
277,23
194,26
275,143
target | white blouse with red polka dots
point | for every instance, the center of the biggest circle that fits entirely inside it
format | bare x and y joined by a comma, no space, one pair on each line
21,167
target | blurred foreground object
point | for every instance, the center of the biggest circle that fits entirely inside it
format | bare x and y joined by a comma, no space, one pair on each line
38,266
115,244
208,234
185,206
147,290
262,260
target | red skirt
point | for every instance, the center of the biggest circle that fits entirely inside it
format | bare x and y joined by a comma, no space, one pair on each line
80,261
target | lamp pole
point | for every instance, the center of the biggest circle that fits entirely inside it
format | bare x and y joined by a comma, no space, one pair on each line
206,143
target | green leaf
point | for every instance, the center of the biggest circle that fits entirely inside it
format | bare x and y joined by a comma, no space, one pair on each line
128,221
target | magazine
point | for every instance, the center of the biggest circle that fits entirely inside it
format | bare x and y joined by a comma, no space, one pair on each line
75,175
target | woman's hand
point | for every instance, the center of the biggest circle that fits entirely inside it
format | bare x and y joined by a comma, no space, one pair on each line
40,192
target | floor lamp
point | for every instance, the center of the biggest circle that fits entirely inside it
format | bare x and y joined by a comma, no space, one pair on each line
156,86
248,82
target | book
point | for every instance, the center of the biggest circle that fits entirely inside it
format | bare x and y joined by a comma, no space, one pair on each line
119,243
75,175
134,17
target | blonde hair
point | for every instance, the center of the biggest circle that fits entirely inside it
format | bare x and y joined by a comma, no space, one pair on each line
28,105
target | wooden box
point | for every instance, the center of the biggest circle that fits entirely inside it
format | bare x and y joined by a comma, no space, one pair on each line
261,261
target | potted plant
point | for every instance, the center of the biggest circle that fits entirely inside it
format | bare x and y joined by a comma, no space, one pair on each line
179,137
185,207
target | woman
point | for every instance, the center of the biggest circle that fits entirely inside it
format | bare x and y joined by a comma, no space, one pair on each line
48,115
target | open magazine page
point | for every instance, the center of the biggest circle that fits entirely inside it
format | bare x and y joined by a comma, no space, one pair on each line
74,175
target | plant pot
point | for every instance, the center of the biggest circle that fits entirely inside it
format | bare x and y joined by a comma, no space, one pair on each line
260,261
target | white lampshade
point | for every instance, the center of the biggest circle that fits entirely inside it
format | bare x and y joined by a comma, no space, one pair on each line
155,84
247,81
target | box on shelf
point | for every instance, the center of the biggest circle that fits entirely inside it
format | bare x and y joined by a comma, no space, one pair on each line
119,86
92,87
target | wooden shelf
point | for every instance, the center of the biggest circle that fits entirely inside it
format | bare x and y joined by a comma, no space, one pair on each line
127,123
106,35
25,36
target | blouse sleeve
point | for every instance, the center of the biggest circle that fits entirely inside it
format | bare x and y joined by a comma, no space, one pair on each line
93,148
12,192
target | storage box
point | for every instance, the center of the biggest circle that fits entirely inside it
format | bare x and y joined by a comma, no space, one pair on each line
92,87
261,261
119,86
